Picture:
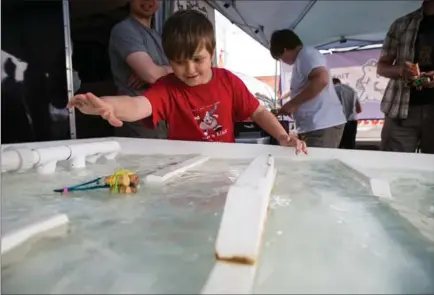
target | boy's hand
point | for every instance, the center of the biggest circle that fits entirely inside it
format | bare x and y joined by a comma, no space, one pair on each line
288,108
293,141
429,84
90,104
408,71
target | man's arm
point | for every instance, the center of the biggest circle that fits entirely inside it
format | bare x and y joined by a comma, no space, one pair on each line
358,107
129,109
318,79
145,68
131,47
386,64
286,95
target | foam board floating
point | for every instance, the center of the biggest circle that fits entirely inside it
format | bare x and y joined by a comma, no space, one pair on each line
14,245
230,278
379,187
168,172
240,234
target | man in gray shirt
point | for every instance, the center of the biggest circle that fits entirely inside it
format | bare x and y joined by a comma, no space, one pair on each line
137,61
351,106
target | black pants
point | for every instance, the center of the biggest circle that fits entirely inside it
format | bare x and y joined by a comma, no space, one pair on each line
348,140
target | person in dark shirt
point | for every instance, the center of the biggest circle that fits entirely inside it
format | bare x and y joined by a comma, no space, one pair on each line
351,106
409,112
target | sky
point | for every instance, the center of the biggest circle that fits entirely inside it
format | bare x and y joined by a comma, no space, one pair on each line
241,52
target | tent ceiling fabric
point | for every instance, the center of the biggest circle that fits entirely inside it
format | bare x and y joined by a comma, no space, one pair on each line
318,23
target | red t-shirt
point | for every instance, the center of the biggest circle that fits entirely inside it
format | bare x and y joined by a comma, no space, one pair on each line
205,112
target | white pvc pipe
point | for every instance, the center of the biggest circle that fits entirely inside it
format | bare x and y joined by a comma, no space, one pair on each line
18,159
92,151
48,158
45,159
10,160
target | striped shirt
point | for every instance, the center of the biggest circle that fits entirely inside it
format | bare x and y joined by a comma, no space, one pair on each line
399,44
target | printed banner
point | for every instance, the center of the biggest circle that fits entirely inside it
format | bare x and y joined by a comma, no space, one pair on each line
357,69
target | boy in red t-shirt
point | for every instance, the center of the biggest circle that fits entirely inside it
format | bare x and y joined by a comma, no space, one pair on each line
198,102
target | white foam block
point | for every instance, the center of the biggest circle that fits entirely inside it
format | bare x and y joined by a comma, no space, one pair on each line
242,225
174,170
230,278
54,226
379,187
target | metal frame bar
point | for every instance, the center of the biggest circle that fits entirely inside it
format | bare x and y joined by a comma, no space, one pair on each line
367,42
275,84
244,25
303,14
68,62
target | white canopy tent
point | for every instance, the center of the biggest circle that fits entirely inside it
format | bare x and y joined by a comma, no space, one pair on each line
324,24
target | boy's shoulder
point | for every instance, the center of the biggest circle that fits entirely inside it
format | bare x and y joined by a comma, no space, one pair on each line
168,81
309,51
224,75
221,75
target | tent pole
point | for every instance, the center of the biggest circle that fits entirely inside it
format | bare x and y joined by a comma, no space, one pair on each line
69,70
303,14
275,85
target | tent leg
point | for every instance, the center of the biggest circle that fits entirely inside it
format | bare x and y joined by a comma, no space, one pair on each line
276,95
69,70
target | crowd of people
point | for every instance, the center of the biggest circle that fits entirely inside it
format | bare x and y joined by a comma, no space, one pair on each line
168,88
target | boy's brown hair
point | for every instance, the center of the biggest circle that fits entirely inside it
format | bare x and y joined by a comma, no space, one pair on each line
281,40
186,32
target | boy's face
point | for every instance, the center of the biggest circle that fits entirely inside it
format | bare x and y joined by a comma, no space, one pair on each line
195,71
288,56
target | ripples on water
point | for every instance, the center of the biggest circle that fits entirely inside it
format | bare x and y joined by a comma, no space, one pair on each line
159,241
325,233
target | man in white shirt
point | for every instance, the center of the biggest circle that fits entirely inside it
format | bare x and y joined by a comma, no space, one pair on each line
314,104
351,105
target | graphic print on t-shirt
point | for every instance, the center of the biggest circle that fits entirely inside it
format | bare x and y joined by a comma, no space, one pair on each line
208,121
426,46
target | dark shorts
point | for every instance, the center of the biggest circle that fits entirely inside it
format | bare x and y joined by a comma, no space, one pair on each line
325,138
348,140
411,134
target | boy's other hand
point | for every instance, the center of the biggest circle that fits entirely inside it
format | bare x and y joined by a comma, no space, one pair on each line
408,71
429,84
90,104
293,141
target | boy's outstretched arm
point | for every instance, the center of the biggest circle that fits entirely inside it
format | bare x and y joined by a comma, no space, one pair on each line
267,121
114,109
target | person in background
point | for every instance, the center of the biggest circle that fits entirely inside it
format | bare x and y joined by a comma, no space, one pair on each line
351,105
199,102
409,112
314,103
137,60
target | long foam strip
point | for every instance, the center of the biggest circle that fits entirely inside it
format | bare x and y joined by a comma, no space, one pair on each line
240,234
54,226
171,171
230,278
379,187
